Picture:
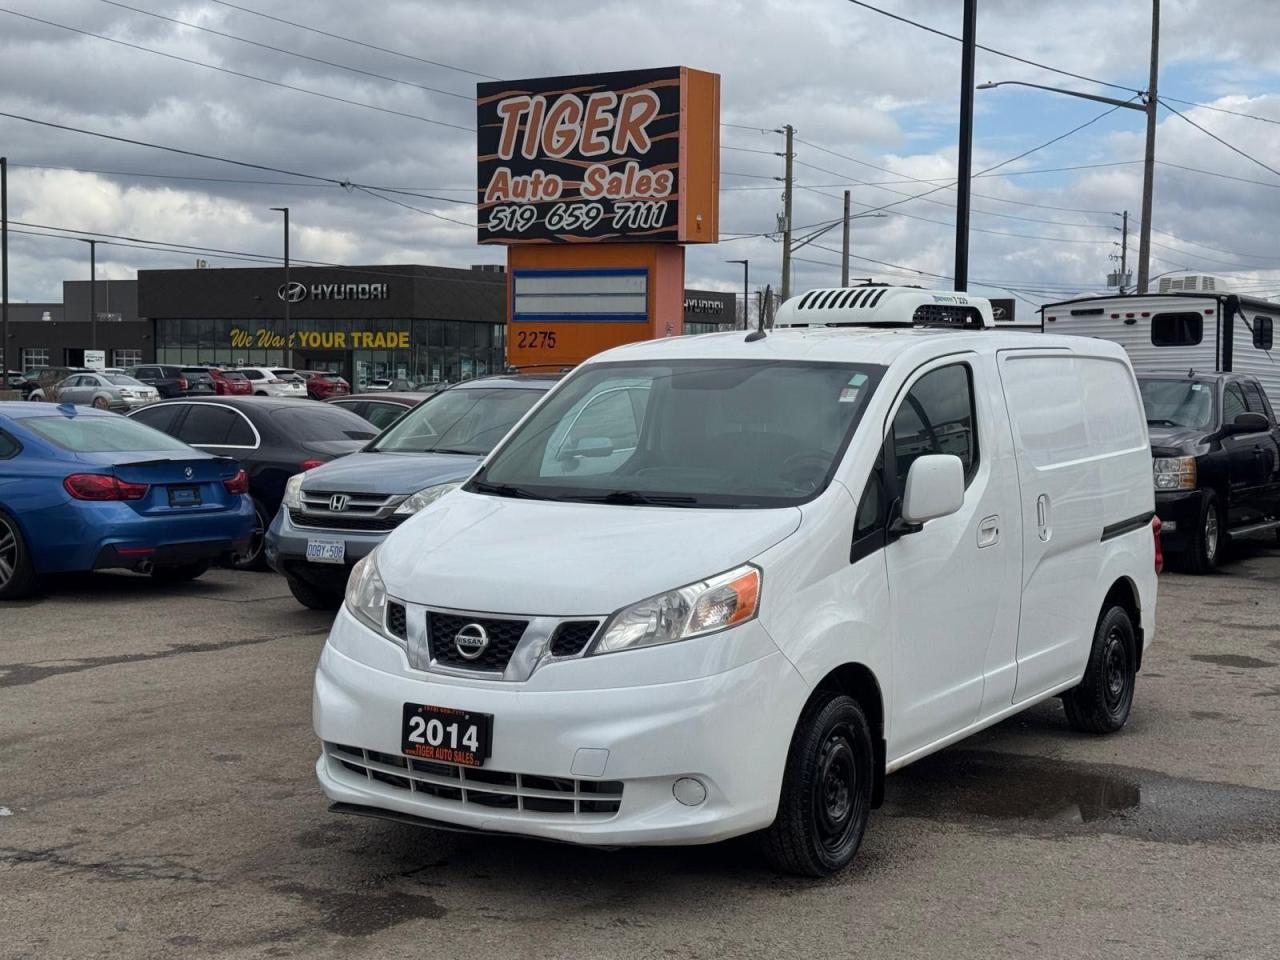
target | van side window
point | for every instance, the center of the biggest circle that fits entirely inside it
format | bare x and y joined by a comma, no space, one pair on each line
1232,402
937,416
1262,333
1176,329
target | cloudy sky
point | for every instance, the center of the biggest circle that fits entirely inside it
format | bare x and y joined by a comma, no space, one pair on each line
874,103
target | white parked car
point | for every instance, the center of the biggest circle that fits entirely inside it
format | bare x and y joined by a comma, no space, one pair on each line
274,382
718,585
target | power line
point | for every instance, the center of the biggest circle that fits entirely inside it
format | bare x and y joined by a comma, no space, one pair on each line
1234,113
767,153
952,206
1007,173
409,206
911,179
998,53
359,43
292,53
178,176
191,248
345,184
1211,134
1212,173
238,73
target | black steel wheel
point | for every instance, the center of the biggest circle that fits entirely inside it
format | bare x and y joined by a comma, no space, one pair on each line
826,790
1102,701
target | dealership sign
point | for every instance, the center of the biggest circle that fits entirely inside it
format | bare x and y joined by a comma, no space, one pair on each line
631,156
264,339
296,292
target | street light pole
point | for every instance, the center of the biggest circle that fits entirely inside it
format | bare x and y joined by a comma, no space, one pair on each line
288,293
965,154
1149,157
93,291
746,295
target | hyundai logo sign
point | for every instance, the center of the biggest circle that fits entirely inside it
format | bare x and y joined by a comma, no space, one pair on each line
292,292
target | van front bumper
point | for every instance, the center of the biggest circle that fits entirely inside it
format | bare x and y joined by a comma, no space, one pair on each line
730,731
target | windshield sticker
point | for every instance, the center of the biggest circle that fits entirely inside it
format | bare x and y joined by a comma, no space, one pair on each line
853,389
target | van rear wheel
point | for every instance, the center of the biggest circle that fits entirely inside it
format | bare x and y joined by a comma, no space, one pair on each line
1104,697
826,791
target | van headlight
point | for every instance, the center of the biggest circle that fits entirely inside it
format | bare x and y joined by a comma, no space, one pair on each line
293,491
367,594
700,608
1174,473
425,497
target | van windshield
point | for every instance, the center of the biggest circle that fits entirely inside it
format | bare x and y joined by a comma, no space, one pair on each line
686,433
1177,403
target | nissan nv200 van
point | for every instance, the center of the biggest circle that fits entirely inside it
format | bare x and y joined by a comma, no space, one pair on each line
726,584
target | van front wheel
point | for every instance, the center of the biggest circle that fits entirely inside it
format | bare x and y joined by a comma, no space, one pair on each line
826,791
1104,697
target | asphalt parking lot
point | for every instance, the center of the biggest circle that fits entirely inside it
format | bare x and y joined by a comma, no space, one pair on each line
157,799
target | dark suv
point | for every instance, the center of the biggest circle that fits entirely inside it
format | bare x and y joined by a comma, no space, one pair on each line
172,380
1216,450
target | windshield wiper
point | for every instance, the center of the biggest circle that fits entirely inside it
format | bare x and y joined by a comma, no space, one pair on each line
469,453
1162,422
635,497
504,490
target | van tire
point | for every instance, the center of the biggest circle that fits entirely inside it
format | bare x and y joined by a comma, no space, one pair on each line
313,598
826,791
19,578
1209,538
1102,700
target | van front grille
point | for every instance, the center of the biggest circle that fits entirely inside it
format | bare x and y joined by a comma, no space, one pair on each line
517,793
503,636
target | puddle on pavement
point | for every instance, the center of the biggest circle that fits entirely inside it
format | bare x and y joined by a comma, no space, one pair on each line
360,914
1232,660
1040,796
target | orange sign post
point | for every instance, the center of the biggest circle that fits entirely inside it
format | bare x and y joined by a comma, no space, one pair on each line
594,183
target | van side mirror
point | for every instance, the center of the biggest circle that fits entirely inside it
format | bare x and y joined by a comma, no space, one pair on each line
935,488
1249,423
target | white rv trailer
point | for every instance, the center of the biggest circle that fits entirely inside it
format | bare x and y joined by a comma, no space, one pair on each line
1194,322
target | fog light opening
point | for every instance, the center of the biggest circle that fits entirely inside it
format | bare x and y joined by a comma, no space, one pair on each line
689,791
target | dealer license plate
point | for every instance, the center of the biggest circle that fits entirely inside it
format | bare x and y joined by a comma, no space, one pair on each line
327,551
446,735
184,496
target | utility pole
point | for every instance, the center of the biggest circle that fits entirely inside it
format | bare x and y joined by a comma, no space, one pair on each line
4,274
288,293
1124,249
1149,158
786,215
965,172
93,294
844,247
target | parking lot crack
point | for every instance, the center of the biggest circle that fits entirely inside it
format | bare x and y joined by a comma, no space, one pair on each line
20,674
116,868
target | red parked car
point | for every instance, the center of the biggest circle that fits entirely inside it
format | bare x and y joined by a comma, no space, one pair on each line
322,384
226,383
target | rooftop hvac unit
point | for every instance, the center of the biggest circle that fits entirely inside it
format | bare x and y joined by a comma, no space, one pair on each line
1191,283
882,304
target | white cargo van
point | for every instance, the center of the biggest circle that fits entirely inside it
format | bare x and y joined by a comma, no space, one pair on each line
1194,323
722,584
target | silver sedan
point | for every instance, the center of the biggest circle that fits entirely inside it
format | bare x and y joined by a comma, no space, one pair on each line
106,391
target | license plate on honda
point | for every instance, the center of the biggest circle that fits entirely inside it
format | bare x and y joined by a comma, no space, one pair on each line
446,735
327,551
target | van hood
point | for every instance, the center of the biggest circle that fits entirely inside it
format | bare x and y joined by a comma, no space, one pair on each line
493,554
390,473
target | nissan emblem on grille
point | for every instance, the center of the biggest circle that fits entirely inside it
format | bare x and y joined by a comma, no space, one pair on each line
338,502
471,641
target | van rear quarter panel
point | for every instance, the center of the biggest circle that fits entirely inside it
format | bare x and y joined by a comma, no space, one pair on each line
1083,448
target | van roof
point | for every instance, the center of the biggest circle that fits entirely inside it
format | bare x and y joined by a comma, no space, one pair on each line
881,345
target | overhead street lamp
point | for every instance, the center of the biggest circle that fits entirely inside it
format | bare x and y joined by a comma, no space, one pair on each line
746,319
1149,105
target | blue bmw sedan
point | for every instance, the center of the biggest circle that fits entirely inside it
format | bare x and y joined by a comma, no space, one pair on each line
82,489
